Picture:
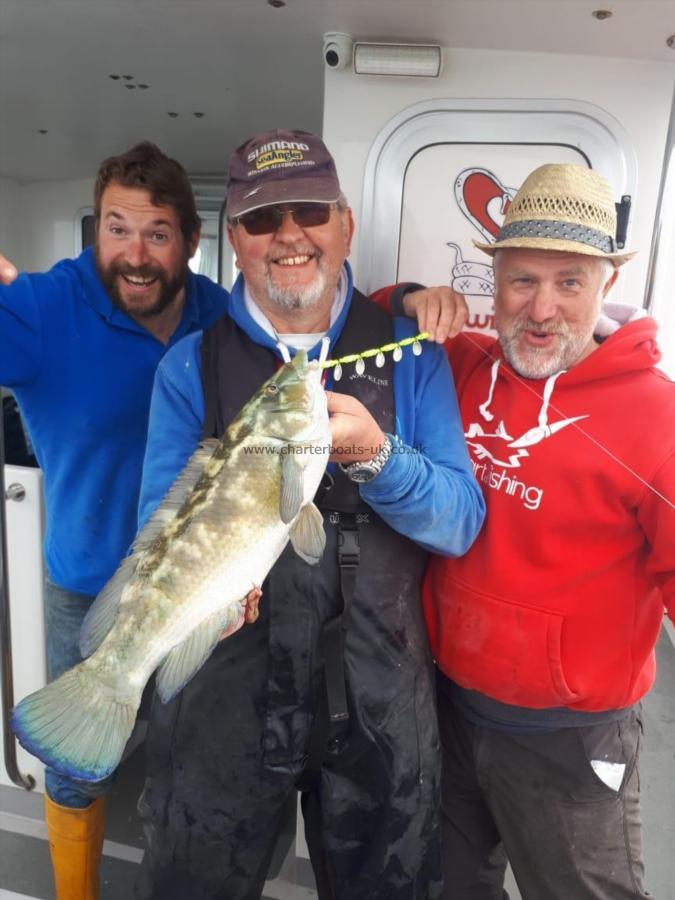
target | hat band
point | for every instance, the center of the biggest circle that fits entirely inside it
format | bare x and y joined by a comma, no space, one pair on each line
566,231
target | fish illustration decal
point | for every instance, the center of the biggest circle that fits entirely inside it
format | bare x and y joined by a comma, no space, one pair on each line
218,532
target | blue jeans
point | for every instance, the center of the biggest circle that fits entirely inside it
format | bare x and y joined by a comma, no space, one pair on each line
64,612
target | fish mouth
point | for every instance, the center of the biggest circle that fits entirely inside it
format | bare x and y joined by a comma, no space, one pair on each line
300,363
310,373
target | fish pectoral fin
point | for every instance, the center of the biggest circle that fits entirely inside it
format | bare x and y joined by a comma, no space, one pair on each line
307,535
292,486
187,658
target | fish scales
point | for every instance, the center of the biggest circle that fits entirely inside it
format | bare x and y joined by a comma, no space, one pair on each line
218,533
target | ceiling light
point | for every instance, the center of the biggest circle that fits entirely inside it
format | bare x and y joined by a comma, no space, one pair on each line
414,60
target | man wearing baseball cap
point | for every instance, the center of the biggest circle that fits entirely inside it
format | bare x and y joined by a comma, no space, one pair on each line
544,632
330,692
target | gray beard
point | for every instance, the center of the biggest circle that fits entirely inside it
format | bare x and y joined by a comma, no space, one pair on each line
535,363
296,297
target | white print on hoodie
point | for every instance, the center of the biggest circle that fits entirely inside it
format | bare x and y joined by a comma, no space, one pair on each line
497,449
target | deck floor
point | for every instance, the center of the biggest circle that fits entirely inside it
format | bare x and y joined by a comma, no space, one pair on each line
24,857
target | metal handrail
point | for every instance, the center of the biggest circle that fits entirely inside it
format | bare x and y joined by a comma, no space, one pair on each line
667,183
6,672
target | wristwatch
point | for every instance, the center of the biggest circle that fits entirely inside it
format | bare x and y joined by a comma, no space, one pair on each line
366,469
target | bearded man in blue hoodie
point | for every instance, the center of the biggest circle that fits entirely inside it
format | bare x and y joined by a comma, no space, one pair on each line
79,346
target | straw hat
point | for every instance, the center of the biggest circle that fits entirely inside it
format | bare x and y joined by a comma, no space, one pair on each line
562,207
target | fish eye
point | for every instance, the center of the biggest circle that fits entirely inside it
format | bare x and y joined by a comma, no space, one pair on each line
272,390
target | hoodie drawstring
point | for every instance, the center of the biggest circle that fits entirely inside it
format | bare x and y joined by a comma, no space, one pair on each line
483,408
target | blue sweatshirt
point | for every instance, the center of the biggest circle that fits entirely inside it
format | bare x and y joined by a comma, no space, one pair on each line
82,372
430,496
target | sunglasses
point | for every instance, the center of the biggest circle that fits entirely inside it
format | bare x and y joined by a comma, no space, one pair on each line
268,219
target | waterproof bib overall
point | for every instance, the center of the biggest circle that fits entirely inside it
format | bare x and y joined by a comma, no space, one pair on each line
329,692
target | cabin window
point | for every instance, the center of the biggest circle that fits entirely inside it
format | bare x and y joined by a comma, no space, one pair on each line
87,230
205,260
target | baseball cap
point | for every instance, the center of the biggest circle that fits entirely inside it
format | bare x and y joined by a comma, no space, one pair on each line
280,167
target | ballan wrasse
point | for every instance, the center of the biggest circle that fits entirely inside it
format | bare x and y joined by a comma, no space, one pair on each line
218,532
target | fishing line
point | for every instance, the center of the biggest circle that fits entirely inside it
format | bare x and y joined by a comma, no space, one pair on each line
613,456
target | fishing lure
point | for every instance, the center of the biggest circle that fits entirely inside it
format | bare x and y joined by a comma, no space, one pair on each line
359,359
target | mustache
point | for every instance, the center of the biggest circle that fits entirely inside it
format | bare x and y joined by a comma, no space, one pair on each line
540,327
145,271
281,252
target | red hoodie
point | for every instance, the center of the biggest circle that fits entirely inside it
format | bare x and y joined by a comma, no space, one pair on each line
560,599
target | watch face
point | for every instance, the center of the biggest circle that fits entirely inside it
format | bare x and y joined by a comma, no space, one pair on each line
361,474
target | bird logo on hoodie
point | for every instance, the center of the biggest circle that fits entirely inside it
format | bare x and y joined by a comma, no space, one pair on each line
477,437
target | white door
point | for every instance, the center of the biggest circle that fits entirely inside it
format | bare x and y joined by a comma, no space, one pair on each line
25,515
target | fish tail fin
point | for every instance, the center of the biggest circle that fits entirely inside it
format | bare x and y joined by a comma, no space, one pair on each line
76,725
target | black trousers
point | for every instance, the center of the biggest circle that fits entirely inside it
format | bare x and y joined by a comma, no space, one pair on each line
540,802
227,753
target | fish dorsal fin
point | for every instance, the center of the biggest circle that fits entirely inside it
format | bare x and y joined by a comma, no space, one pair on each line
187,658
101,615
307,535
292,485
177,495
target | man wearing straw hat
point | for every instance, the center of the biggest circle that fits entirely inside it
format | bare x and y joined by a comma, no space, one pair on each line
544,632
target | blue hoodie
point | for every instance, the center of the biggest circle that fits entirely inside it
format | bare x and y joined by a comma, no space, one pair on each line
82,372
430,496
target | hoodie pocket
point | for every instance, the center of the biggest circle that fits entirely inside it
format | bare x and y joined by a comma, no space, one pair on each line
507,650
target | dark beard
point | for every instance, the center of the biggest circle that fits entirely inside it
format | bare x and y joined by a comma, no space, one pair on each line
169,288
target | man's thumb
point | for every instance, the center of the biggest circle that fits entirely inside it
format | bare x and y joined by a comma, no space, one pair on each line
8,271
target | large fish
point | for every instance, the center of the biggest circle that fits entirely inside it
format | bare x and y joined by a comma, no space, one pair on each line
218,532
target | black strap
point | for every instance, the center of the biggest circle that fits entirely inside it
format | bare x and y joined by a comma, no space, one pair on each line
333,633
324,873
332,711
332,646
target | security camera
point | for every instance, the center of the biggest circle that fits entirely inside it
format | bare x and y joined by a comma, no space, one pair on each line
337,49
